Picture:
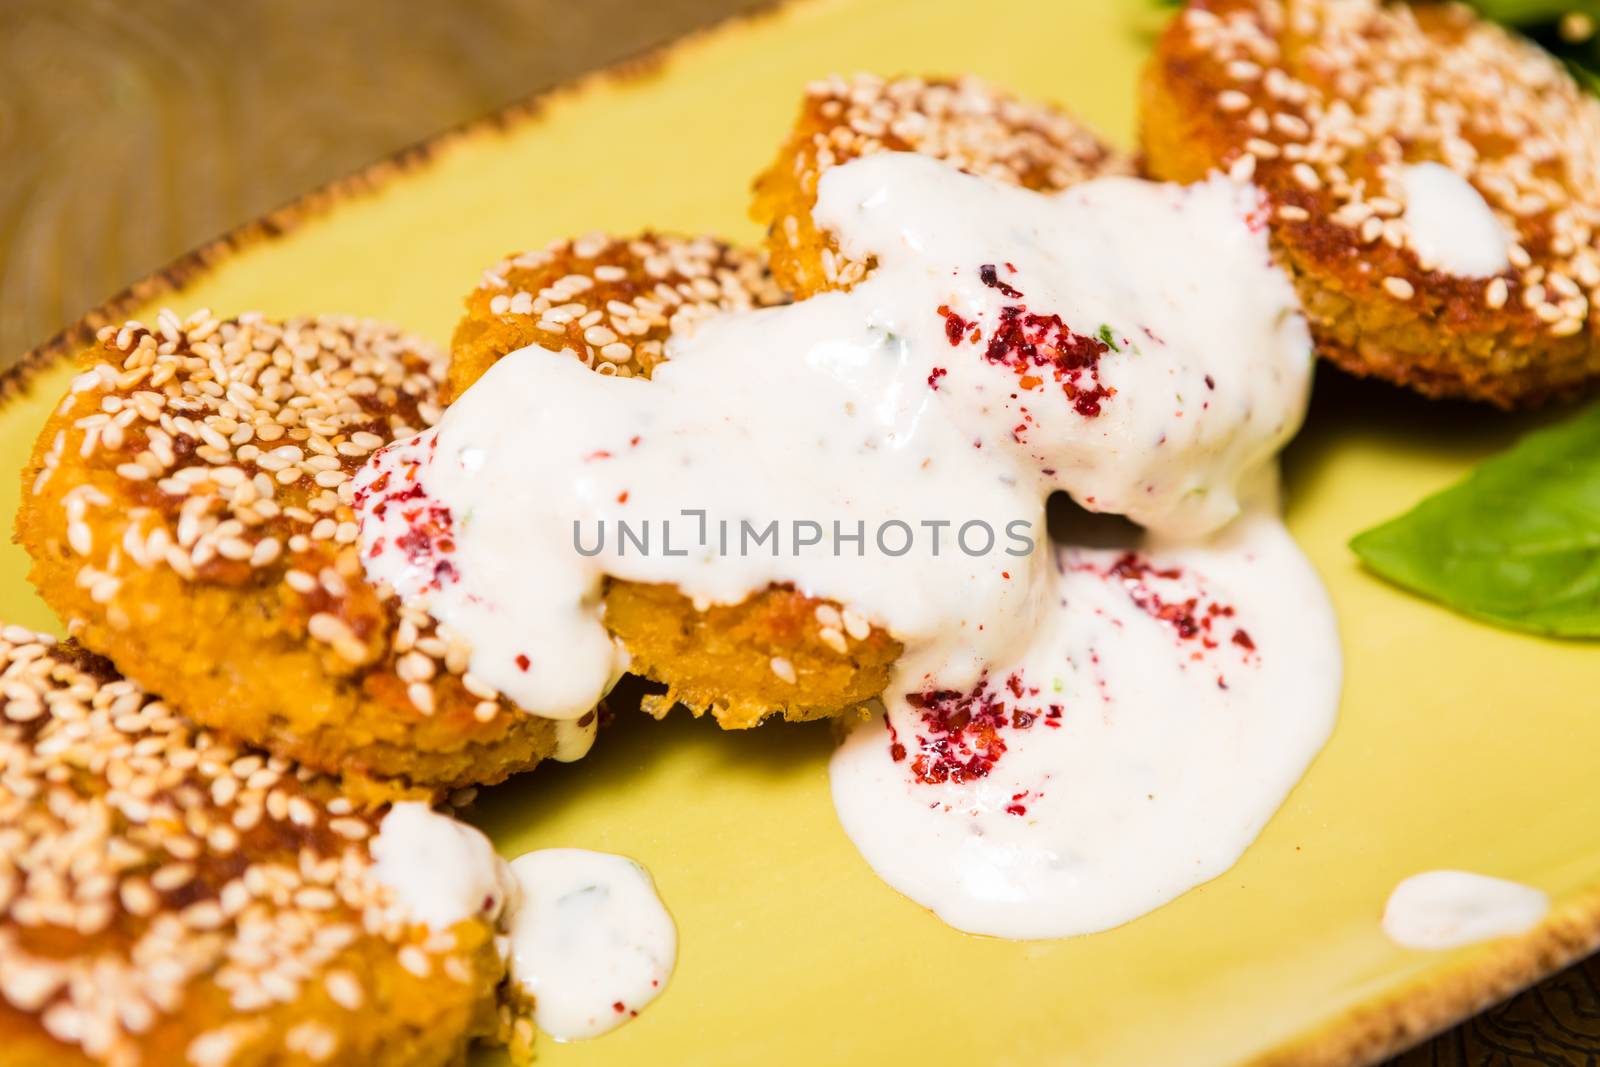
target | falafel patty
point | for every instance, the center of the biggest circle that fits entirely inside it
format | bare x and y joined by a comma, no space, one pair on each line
963,121
186,510
1328,107
613,303
167,897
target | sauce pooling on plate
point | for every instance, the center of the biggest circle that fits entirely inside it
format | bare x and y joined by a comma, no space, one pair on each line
1131,751
1447,909
584,934
891,448
591,942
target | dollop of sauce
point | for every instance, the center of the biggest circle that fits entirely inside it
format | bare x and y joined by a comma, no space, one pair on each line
1453,229
590,940
1447,909
439,869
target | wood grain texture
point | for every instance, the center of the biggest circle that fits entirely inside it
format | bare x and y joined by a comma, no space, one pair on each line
131,133
1554,1024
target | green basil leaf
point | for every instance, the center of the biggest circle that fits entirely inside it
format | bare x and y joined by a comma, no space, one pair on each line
1517,543
1522,12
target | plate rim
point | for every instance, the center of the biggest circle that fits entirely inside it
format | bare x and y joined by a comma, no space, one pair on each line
1365,1033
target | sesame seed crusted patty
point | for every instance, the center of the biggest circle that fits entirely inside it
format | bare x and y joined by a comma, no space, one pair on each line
168,897
1322,104
962,121
607,301
187,511
613,303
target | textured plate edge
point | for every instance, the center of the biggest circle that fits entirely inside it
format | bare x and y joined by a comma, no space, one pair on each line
1391,1023
1364,1034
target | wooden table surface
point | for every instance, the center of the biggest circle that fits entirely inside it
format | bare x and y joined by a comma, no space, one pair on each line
130,133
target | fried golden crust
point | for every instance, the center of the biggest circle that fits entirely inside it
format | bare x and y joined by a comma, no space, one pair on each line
962,121
727,658
185,511
776,652
1319,105
167,897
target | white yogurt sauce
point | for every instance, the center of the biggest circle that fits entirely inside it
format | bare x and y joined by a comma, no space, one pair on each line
1448,909
585,934
1129,343
1167,707
759,416
1452,228
590,940
439,869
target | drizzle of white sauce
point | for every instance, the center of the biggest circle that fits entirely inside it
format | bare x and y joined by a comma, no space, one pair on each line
439,869
1447,909
1452,227
757,414
575,737
1169,750
590,940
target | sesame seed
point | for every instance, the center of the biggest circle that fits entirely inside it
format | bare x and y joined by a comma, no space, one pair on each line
416,961
1398,288
783,669
1496,293
344,989
855,625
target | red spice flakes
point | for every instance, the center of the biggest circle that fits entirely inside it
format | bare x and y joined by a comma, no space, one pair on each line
988,276
622,497
961,738
1193,617
523,662
1030,343
1037,347
430,528
1255,220
897,751
429,535
958,329
934,376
